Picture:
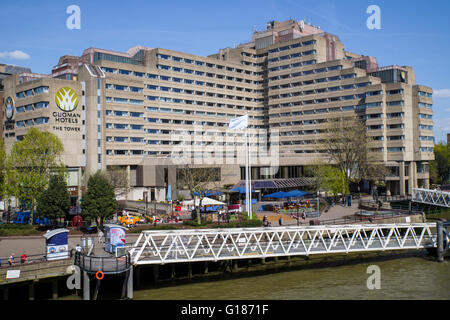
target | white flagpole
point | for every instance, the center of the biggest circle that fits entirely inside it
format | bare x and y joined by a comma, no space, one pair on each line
250,181
246,172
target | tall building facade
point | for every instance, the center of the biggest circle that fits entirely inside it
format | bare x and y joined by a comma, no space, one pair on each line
134,109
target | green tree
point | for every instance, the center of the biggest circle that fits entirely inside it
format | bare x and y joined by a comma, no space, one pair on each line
198,181
346,145
329,179
440,166
3,171
54,203
31,162
99,202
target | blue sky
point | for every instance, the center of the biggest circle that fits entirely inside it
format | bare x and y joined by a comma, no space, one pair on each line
414,33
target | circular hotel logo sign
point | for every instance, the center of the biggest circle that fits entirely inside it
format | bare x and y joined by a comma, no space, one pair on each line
66,99
9,105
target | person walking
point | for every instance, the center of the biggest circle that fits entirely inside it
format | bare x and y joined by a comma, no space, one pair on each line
100,236
23,258
11,259
280,221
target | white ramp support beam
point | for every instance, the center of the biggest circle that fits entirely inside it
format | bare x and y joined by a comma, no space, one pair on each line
175,246
433,197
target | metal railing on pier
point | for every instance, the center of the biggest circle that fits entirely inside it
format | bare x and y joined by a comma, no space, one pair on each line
108,264
173,246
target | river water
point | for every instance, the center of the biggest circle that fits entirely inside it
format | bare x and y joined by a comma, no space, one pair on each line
402,278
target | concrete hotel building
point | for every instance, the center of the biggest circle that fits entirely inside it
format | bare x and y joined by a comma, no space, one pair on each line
291,78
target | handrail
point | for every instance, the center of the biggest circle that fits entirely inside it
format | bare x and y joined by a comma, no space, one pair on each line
108,265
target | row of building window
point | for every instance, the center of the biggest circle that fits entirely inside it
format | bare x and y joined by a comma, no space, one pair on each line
117,113
199,93
199,83
316,101
201,63
31,122
425,105
201,103
292,46
110,86
297,55
164,67
124,126
32,107
312,81
32,92
124,101
425,94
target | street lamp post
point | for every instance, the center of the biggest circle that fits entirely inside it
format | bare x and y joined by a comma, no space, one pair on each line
318,208
9,209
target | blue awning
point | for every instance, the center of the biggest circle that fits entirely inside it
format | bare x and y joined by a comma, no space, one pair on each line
241,190
278,195
208,193
297,193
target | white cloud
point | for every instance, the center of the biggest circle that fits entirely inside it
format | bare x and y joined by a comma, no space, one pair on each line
441,93
16,55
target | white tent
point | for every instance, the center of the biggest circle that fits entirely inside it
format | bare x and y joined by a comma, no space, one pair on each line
205,202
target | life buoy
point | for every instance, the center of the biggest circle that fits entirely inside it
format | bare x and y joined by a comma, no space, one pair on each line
99,275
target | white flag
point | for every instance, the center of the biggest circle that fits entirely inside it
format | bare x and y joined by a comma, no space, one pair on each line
239,123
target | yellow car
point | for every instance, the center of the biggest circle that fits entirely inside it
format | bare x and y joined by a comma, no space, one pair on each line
129,220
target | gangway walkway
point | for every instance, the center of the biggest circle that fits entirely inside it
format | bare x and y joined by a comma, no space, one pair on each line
174,246
433,197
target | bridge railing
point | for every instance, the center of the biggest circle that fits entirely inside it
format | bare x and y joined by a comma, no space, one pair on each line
434,197
171,246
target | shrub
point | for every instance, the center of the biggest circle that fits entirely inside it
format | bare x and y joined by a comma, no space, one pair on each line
7,230
193,223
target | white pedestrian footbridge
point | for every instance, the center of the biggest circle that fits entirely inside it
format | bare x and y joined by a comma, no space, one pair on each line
195,245
433,197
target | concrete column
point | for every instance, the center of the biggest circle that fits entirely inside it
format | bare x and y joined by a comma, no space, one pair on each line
189,271
155,273
206,268
440,241
31,291
97,288
263,261
55,289
402,178
234,266
172,271
130,284
86,288
138,277
5,294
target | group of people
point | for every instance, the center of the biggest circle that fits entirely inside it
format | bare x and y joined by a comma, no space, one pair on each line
23,259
